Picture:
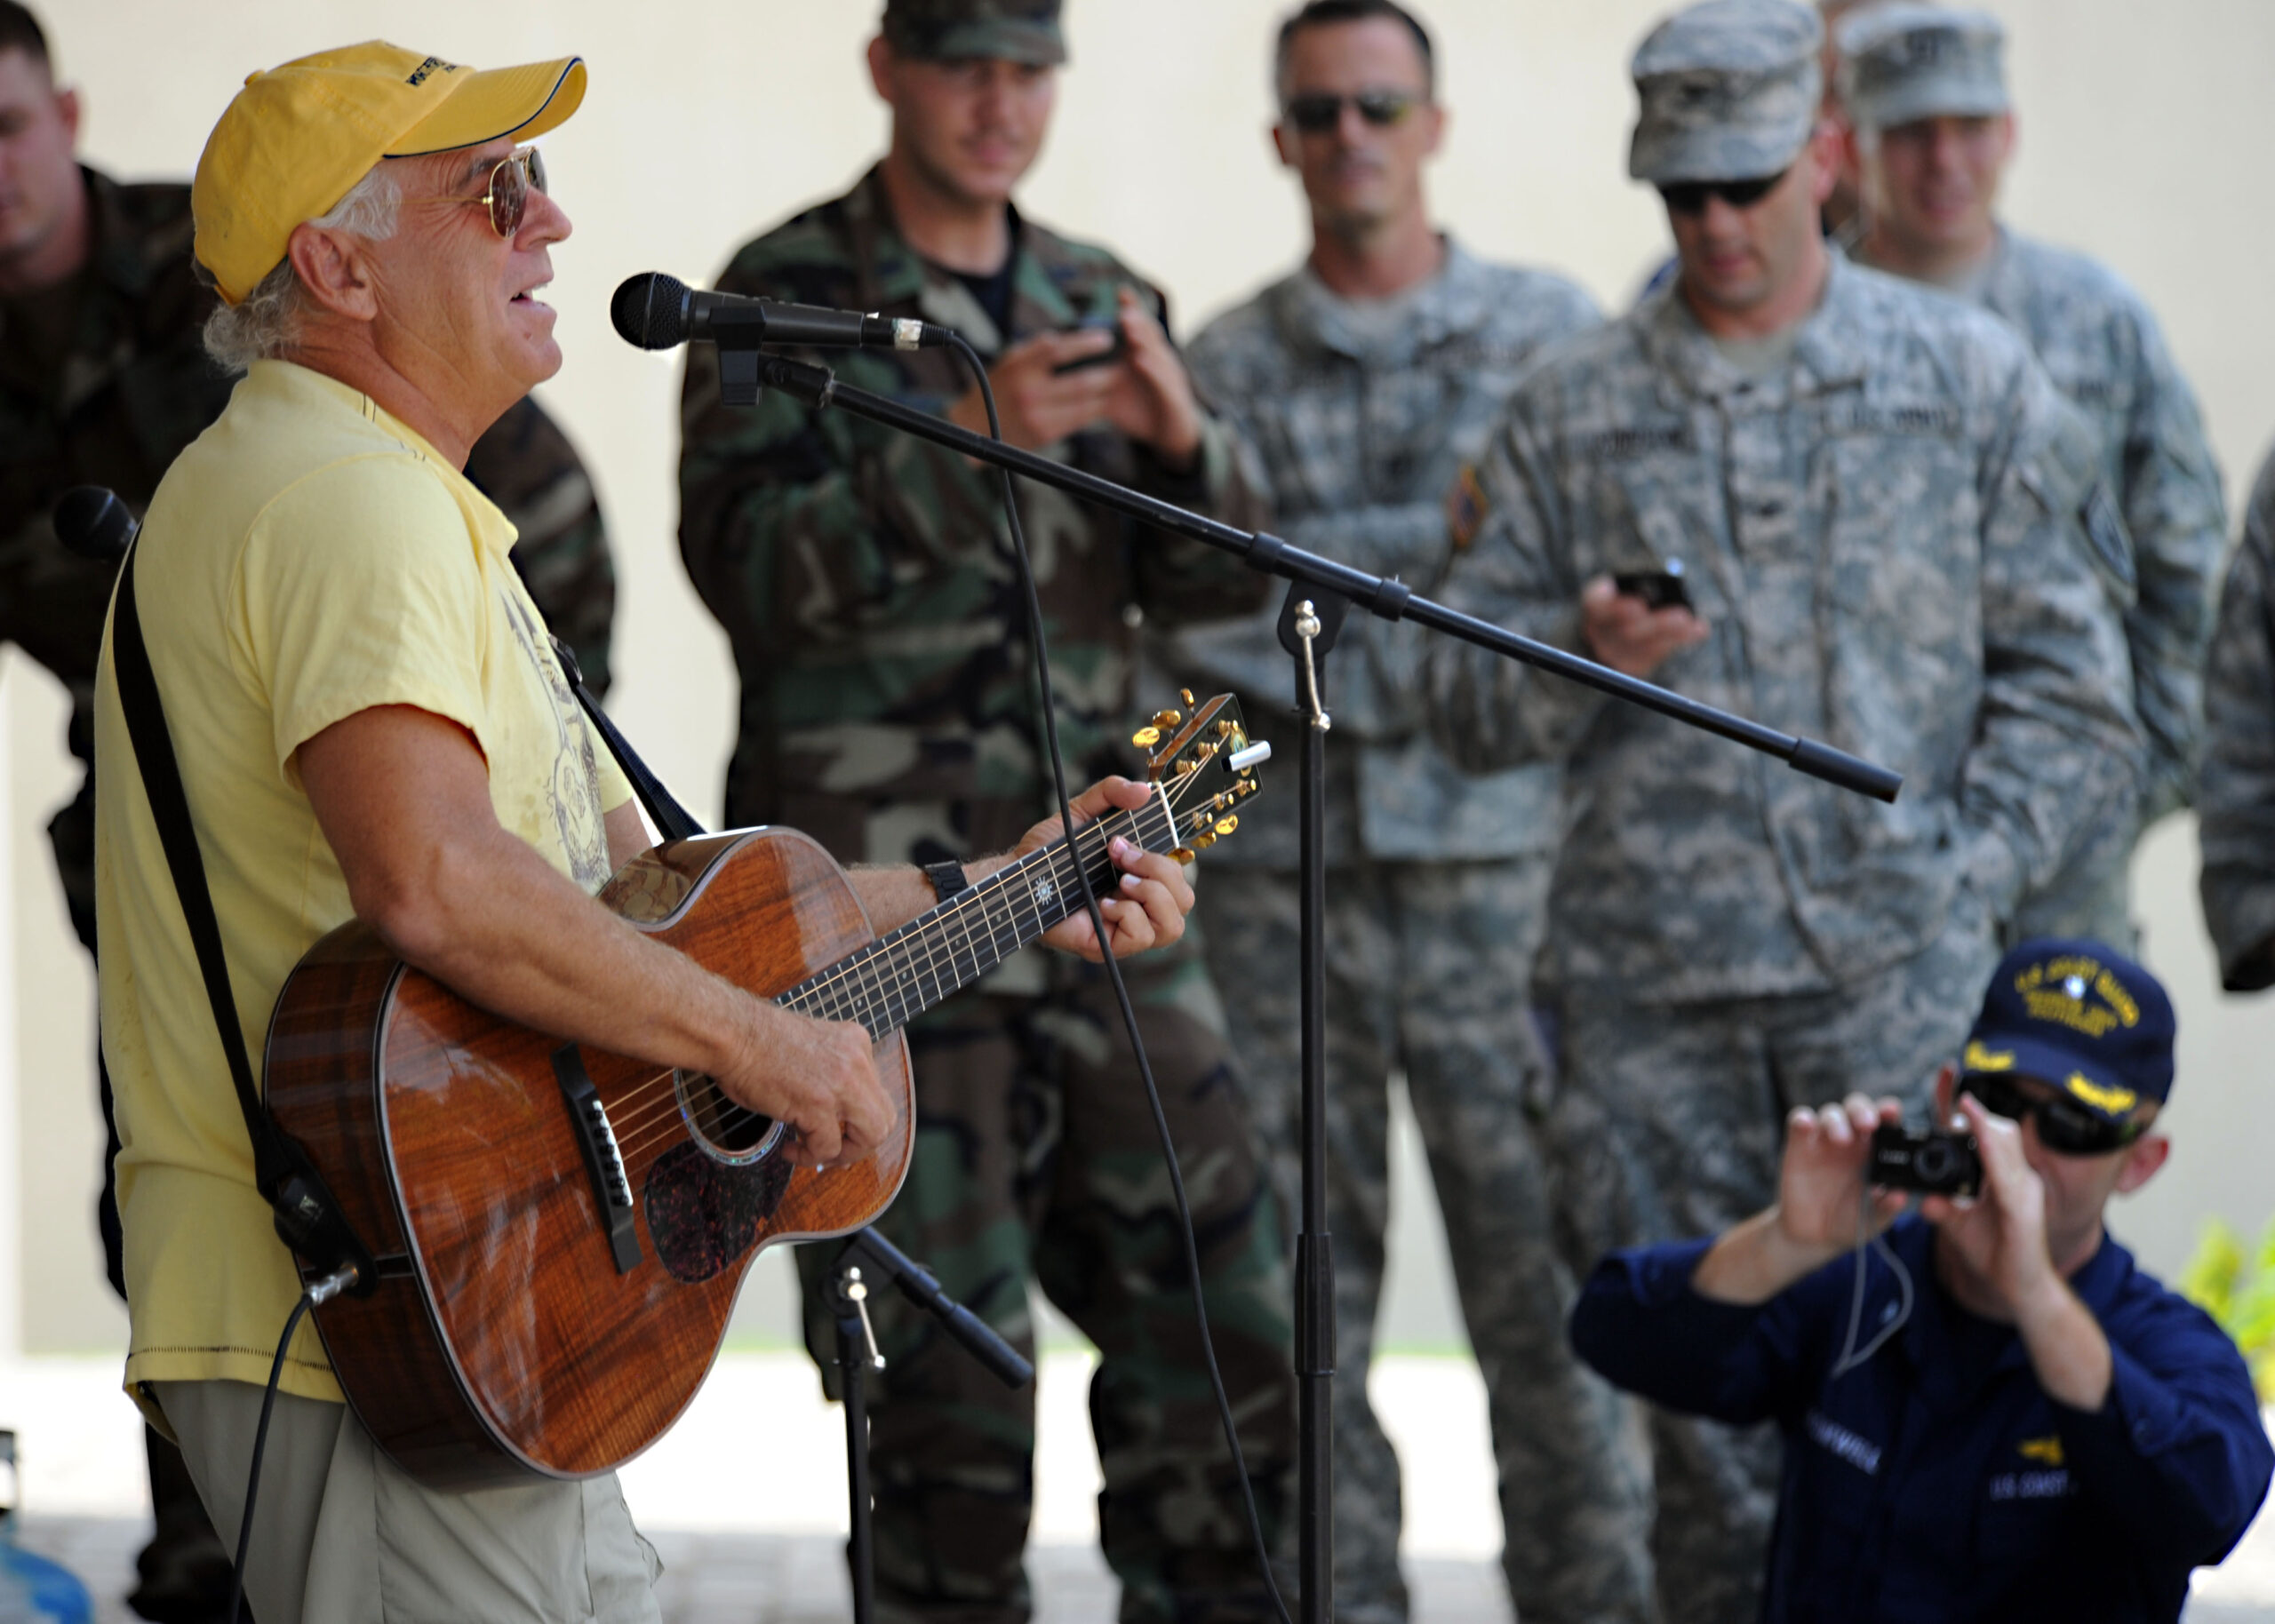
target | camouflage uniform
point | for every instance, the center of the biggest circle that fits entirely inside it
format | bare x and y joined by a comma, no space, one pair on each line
2101,345
1362,418
2237,797
113,405
1882,534
866,582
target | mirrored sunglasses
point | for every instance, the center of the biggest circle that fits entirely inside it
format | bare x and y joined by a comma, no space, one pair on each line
2065,1126
1316,115
1688,197
510,185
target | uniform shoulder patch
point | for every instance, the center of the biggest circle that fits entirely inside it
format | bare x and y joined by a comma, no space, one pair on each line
1466,505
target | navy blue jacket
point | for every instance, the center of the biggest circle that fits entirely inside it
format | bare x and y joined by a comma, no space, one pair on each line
1938,1482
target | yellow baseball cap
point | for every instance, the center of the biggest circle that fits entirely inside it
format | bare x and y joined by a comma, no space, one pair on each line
297,139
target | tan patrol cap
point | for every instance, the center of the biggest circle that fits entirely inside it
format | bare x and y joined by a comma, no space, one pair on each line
297,139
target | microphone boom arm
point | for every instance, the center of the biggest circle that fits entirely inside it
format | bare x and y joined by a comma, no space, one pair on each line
745,371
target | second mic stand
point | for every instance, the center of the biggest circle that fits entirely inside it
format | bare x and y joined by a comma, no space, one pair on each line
1323,592
868,1256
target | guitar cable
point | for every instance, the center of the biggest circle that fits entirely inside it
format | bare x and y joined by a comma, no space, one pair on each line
321,1292
1048,706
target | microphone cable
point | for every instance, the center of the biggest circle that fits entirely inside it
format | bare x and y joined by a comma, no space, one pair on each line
1049,702
321,1291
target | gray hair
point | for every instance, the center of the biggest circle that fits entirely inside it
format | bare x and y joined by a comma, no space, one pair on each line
266,321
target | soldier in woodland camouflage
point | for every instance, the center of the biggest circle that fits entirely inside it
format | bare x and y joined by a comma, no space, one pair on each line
103,380
867,582
1362,384
1933,130
1876,496
2237,799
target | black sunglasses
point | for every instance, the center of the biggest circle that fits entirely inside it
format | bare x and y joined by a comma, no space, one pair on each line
1316,115
2065,1126
1688,197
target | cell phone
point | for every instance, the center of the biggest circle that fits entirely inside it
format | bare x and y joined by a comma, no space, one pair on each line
1658,588
1104,357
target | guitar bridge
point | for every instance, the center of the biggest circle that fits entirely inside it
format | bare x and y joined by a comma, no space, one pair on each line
603,1160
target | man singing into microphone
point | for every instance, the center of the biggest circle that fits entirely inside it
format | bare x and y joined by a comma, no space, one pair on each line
370,724
869,585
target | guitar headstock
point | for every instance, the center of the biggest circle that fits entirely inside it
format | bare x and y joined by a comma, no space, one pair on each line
1205,761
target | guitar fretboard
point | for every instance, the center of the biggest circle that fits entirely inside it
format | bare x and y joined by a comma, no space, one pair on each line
941,952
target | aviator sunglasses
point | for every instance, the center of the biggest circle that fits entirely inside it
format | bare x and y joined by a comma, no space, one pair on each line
508,196
1316,115
2065,1126
1688,197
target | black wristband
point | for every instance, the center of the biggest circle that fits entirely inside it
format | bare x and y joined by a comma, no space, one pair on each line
948,879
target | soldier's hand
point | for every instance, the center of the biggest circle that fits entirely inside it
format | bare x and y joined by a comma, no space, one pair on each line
1153,399
1039,404
816,1077
1630,636
1149,904
1821,1179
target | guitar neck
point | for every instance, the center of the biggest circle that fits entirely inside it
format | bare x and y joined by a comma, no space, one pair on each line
940,952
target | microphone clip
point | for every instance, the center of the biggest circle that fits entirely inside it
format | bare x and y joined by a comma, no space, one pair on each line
746,371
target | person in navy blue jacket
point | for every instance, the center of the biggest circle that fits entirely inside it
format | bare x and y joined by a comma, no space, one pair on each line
1988,1412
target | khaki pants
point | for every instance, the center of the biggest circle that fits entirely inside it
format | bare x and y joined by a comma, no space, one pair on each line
342,1535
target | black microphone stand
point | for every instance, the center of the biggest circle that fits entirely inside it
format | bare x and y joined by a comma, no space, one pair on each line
1321,594
869,1255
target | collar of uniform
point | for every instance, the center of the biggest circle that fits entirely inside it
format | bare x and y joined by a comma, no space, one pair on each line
320,391
1455,300
900,276
1826,354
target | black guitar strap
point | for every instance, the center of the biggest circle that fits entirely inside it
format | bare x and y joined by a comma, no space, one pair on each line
308,1218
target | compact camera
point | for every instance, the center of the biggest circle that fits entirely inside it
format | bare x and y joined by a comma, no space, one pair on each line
1931,1161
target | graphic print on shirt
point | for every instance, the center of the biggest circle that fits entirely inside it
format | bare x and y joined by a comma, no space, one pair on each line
573,791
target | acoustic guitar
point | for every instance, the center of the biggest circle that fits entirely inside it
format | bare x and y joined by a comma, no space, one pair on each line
561,1232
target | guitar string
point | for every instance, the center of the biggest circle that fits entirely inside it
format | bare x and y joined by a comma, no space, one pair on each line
828,994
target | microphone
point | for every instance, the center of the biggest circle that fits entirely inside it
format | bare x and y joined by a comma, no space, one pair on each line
94,524
655,312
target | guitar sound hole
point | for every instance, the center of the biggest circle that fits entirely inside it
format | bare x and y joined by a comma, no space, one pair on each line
726,1129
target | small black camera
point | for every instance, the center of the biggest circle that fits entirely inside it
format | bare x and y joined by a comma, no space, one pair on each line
1931,1161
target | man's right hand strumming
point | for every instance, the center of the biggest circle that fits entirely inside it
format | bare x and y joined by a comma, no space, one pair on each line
816,1077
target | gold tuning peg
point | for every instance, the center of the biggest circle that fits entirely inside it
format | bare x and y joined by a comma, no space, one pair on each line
1184,854
1203,842
1185,694
1226,825
1226,728
1145,738
1168,718
1187,764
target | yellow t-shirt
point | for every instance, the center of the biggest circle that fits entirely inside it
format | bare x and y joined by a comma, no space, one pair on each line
309,557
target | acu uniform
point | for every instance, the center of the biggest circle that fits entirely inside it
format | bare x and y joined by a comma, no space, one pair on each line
2238,797
867,584
2161,528
1361,416
1881,530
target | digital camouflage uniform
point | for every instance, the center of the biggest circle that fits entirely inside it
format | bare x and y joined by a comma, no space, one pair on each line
867,584
2237,797
113,406
1882,535
2100,343
1361,418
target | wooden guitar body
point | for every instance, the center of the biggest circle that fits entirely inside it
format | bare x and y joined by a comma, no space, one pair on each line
536,1311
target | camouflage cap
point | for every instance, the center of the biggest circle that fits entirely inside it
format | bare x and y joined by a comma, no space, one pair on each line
1904,61
956,30
1728,91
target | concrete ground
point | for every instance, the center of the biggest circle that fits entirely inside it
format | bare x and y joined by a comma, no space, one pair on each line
745,1547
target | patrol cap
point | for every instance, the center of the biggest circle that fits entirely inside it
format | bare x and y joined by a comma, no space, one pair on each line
1728,91
1902,62
957,30
2081,1017
297,139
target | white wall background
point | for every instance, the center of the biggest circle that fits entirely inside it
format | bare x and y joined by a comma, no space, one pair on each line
2144,130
